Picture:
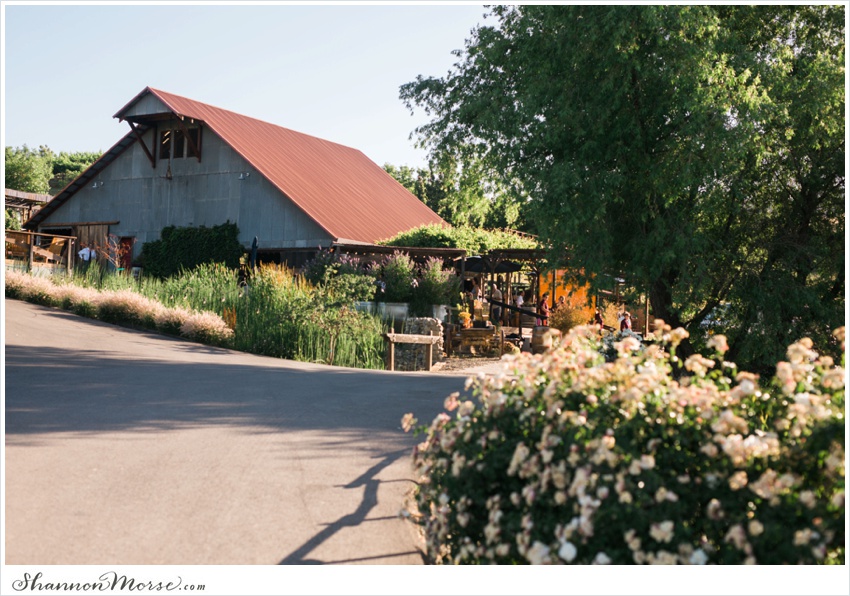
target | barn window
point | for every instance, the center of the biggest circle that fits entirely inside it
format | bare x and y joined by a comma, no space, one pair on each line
174,143
179,144
165,144
195,136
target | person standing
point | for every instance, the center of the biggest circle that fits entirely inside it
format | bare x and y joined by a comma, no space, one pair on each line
519,301
626,323
496,312
543,310
86,255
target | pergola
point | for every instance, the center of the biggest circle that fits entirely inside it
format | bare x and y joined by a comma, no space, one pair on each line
25,202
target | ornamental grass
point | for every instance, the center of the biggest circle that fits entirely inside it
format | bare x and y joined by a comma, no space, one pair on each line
565,458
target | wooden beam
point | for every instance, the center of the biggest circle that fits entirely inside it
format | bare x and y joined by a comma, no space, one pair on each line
142,143
188,138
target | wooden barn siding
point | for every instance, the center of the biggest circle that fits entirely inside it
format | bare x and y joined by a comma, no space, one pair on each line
199,194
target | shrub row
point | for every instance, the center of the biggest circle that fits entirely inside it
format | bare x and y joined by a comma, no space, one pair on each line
123,307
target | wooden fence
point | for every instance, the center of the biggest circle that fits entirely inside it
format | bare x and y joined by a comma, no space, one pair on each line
33,248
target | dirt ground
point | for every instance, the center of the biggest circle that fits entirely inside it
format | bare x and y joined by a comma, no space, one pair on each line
460,363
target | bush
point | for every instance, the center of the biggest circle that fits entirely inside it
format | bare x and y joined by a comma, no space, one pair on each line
434,286
124,307
207,328
572,313
398,275
185,248
475,241
575,460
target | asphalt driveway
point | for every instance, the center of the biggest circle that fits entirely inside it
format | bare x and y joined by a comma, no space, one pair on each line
126,447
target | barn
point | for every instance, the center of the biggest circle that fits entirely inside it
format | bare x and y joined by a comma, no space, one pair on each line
186,163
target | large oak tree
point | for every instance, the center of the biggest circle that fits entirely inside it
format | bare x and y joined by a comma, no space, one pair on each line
698,150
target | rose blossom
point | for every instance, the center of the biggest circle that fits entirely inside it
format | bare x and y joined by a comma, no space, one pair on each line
567,551
662,532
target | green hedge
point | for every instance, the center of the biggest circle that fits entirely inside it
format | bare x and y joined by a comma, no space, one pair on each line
474,240
185,248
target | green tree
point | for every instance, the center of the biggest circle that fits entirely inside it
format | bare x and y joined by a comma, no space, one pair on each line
462,190
694,149
13,219
28,170
67,166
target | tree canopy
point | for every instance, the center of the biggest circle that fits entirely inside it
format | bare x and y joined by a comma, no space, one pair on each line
475,241
42,171
461,190
28,170
696,150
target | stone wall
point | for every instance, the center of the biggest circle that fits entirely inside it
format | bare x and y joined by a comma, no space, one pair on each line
412,356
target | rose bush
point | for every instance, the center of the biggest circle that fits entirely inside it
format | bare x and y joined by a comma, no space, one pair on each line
567,458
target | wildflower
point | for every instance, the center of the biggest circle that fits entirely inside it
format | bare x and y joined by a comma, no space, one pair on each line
601,559
567,551
451,402
755,527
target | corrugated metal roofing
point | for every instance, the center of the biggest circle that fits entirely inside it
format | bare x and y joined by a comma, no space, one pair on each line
345,192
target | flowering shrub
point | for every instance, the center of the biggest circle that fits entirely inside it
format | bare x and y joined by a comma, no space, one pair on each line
609,342
399,276
435,286
566,458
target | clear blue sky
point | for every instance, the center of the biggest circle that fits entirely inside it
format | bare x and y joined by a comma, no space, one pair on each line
329,71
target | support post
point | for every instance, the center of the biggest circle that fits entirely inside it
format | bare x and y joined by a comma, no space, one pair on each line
391,365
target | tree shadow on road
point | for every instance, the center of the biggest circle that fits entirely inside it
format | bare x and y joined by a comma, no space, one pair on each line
370,483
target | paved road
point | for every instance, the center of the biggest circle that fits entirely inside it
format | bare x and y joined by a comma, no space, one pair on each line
125,447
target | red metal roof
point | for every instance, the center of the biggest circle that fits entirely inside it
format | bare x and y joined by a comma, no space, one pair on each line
345,192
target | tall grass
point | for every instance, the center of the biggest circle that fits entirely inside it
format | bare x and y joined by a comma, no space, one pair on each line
279,314
283,315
